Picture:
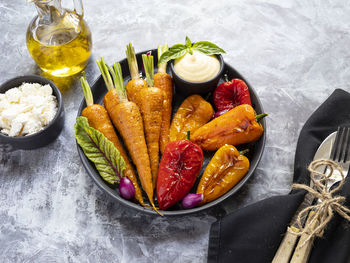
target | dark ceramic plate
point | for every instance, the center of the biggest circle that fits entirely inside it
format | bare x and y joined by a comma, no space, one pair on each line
254,155
46,135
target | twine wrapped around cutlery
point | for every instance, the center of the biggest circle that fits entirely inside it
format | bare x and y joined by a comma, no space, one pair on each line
324,210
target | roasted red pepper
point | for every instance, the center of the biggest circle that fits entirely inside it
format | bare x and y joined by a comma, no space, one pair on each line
231,94
179,167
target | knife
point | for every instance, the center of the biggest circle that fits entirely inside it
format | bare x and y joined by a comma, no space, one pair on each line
287,245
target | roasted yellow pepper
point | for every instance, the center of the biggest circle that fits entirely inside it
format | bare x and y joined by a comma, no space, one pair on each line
237,126
225,170
193,113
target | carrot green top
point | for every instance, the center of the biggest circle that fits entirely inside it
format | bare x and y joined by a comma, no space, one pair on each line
87,91
105,74
132,62
118,80
149,68
113,77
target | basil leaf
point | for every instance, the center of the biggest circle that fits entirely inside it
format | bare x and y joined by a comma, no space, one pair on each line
207,48
176,51
188,42
189,45
98,149
189,50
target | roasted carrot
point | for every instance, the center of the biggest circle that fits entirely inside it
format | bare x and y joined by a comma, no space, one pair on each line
163,81
98,119
150,102
126,117
136,83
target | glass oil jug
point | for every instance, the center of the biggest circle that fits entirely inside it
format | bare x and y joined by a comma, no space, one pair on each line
58,39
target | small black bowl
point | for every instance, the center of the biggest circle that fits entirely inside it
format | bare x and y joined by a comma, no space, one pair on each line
187,87
46,135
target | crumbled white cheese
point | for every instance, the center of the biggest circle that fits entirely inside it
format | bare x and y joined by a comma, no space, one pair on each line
13,95
26,109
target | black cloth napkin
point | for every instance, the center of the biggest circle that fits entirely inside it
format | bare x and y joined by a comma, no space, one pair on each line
252,234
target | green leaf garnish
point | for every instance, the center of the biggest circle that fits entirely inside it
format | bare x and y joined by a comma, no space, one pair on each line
176,51
207,48
179,50
188,42
98,149
189,45
161,50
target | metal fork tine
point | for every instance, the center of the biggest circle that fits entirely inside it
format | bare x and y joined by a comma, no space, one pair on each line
336,144
342,143
347,147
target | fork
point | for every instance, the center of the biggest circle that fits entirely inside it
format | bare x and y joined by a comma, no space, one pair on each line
341,148
340,154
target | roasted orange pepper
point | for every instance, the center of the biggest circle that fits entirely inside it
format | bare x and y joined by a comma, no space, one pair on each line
193,113
237,126
225,170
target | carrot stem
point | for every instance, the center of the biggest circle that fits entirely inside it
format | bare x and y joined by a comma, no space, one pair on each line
226,78
207,97
105,73
131,57
243,152
260,116
188,135
114,77
161,50
119,81
87,91
149,69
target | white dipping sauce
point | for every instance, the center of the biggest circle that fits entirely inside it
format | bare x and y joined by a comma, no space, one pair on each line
197,67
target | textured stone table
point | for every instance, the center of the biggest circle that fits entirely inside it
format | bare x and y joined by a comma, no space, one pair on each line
294,53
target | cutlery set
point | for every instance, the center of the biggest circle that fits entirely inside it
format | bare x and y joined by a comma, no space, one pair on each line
336,147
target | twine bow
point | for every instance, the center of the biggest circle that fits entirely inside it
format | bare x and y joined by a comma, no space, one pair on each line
323,210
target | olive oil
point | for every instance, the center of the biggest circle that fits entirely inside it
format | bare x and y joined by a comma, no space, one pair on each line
60,45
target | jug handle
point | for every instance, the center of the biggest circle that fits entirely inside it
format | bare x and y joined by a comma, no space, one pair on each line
78,7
